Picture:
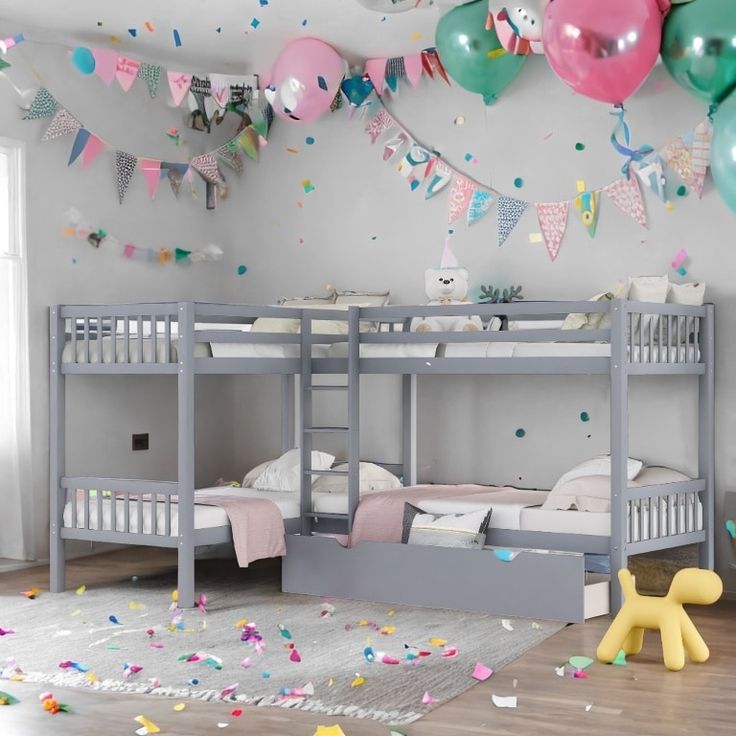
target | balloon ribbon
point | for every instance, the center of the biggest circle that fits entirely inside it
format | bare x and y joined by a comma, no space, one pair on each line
632,154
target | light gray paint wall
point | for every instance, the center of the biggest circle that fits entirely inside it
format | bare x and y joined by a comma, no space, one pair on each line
467,424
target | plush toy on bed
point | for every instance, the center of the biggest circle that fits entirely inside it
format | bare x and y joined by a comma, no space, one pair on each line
446,286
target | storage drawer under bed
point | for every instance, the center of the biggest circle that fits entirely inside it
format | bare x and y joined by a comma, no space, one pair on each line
534,584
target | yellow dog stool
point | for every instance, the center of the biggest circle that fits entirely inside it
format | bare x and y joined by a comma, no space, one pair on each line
678,632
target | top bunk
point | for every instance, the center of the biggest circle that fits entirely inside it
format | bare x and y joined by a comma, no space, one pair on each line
553,338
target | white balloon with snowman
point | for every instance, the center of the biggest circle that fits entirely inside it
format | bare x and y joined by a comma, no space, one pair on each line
518,27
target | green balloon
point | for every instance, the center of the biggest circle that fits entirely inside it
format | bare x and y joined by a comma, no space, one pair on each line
473,56
699,47
723,151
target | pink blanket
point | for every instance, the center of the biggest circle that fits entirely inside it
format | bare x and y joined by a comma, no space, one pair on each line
258,528
380,515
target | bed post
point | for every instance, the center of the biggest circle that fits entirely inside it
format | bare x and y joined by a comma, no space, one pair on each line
287,413
57,449
186,455
353,412
409,428
706,434
619,447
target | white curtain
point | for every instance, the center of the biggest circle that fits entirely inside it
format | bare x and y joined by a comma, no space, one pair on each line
15,432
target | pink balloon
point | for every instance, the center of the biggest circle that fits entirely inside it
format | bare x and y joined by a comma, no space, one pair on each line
603,49
305,79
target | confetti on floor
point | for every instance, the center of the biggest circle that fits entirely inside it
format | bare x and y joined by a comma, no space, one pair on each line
504,702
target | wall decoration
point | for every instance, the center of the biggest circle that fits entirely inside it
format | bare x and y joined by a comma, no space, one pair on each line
98,237
519,28
552,218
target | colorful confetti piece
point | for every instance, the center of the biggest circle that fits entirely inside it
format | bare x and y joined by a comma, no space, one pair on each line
177,38
255,23
520,433
307,186
584,416
580,146
518,182
309,140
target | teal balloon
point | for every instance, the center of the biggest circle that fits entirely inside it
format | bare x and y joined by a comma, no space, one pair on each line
699,47
473,56
83,59
723,151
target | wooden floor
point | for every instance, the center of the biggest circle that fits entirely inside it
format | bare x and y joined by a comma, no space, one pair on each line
641,699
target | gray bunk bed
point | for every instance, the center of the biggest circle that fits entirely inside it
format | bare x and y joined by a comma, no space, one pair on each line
183,341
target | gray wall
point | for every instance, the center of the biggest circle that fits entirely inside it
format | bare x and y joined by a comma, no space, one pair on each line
467,424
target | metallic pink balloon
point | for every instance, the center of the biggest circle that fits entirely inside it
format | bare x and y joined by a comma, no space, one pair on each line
603,49
305,79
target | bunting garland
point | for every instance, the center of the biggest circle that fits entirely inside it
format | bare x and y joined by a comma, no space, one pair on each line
64,123
124,168
460,196
480,205
701,155
43,106
626,195
552,218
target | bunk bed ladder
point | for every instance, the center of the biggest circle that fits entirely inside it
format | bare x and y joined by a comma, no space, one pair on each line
311,519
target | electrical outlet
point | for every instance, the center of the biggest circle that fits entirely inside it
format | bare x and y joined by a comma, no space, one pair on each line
140,442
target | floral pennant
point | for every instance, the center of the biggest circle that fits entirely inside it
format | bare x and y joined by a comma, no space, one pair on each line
151,75
480,205
126,72
206,166
510,211
651,172
392,146
379,125
125,164
439,178
552,218
588,205
701,155
626,195
460,196
43,106
679,158
179,85
151,170
64,123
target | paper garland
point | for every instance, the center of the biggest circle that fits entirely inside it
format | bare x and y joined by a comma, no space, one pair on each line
151,75
510,211
552,218
64,123
125,164
626,195
43,106
460,196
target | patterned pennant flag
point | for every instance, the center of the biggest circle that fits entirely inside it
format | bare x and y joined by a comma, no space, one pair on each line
151,170
460,196
176,173
510,211
376,71
416,156
80,142
249,141
678,156
106,64
220,89
440,177
413,68
379,125
231,156
701,155
651,172
126,72
552,218
43,106
64,123
480,205
588,205
91,150
125,164
179,84
392,146
151,75
206,166
395,70
626,195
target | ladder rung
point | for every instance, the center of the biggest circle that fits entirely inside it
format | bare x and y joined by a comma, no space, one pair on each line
326,388
310,471
326,430
316,515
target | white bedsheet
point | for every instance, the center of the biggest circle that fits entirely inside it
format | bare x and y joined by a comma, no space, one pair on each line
566,350
201,350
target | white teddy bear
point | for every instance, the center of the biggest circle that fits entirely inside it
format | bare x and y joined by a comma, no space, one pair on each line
446,286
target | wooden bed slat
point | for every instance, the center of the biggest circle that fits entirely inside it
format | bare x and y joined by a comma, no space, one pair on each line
167,516
154,339
86,508
126,513
139,341
167,346
100,504
139,502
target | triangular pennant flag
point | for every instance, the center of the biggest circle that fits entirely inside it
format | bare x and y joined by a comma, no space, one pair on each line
439,178
510,211
79,145
176,173
206,166
679,158
392,145
231,156
151,75
181,255
125,164
460,196
249,141
379,125
701,155
426,65
106,64
413,67
179,84
626,195
151,170
4,65
416,156
435,63
588,205
395,67
91,150
220,89
376,70
126,72
64,123
480,205
651,172
552,218
43,106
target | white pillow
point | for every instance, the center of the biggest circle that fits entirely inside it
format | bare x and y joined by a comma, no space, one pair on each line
652,476
647,289
283,474
495,325
362,298
276,324
252,475
372,478
336,326
689,294
598,466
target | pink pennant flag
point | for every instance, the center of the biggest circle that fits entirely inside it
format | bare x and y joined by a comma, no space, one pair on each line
91,150
379,125
552,218
151,170
179,85
219,89
128,250
106,64
701,155
376,70
126,72
460,196
413,68
626,195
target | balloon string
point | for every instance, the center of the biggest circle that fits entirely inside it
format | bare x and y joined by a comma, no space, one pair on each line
632,154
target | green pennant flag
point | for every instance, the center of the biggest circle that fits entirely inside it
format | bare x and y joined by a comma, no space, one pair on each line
248,141
4,65
182,255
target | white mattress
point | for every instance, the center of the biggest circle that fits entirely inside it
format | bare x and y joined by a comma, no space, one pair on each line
566,350
201,350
